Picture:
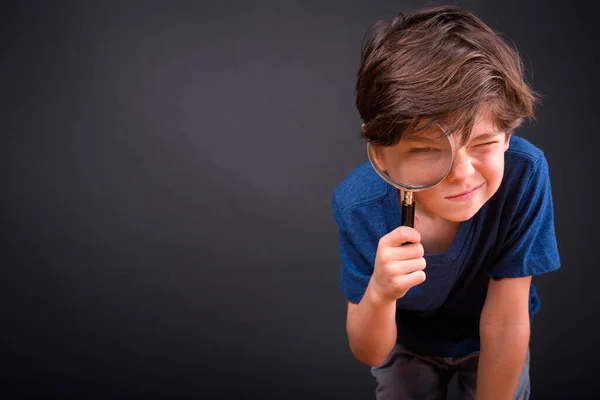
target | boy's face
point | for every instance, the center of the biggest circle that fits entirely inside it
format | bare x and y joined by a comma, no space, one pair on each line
475,176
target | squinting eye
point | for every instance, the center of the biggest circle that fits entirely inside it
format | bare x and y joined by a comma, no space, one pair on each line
486,144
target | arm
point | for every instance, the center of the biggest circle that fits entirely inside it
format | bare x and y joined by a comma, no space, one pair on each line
371,328
504,330
371,324
372,288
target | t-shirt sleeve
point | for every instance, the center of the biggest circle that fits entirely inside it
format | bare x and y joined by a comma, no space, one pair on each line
356,269
530,246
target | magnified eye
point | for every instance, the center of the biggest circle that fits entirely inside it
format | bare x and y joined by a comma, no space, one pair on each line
417,150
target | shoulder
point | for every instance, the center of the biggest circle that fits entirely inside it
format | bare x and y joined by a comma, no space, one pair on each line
524,153
521,215
525,163
526,182
525,189
360,187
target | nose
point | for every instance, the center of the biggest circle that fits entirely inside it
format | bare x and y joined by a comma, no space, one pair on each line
462,167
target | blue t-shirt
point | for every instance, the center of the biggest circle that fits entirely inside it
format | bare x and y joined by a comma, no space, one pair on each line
512,235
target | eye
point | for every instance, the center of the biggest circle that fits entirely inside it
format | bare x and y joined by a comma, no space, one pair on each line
418,150
486,144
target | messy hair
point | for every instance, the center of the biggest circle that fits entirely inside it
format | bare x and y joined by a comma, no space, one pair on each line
438,63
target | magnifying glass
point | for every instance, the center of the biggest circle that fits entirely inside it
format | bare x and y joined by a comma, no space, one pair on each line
419,161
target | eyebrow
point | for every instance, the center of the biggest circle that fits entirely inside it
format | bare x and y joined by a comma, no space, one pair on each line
423,139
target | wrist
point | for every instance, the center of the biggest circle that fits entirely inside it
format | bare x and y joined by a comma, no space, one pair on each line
376,298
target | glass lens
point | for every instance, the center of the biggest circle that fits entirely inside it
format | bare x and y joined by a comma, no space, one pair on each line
418,161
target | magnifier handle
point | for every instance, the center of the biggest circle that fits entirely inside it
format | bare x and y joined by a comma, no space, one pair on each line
408,216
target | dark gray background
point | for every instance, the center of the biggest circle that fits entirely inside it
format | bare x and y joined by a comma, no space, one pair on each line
167,171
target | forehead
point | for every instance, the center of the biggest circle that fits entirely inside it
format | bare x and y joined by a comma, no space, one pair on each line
427,129
484,124
485,121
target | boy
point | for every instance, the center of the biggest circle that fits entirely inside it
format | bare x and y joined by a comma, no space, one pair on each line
454,294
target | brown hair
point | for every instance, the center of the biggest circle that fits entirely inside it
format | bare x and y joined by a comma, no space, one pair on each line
438,63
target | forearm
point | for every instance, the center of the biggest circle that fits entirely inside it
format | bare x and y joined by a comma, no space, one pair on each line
371,328
502,356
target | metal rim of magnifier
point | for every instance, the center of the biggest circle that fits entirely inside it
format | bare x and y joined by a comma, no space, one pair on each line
411,188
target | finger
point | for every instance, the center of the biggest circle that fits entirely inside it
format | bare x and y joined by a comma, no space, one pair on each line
406,267
401,235
410,280
407,252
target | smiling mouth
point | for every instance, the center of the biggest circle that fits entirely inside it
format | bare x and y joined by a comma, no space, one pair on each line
465,193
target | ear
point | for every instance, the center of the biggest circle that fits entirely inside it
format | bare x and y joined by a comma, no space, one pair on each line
507,141
363,127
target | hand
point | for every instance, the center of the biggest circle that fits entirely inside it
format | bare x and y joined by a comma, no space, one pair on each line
398,267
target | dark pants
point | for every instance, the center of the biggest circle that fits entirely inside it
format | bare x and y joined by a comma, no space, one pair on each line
408,376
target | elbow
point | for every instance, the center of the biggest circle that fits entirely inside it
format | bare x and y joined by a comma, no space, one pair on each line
370,358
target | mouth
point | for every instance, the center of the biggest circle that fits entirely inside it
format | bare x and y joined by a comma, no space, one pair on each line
467,194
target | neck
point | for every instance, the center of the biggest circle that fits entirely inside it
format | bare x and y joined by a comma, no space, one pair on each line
437,233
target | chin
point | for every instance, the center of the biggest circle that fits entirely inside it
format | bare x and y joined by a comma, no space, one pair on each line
462,215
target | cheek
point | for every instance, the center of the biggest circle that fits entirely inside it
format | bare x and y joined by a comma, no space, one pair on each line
431,196
492,170
493,167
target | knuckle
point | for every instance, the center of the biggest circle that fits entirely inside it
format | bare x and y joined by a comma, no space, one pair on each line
384,254
404,231
383,270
